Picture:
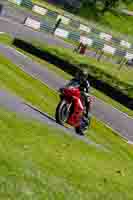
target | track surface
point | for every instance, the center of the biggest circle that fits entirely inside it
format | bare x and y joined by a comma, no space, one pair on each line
112,117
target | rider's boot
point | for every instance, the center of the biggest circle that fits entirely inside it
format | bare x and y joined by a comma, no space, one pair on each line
79,131
83,126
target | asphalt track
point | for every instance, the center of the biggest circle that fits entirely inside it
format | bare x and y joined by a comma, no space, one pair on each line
112,117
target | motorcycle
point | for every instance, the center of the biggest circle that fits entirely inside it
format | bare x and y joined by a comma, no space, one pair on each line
71,109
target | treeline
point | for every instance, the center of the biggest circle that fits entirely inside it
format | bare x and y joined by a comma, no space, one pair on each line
103,5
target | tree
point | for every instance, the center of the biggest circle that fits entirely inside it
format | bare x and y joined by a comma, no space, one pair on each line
108,4
105,4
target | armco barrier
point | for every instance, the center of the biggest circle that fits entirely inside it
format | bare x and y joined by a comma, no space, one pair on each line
62,26
129,56
120,53
108,49
75,36
52,14
44,26
105,36
125,44
39,10
97,44
64,20
27,4
116,40
75,24
84,28
61,33
86,40
32,23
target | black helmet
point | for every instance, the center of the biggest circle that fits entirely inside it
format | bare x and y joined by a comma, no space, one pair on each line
83,75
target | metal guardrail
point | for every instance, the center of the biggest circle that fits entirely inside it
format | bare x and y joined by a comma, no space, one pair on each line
73,22
74,36
27,4
52,14
76,24
45,26
96,42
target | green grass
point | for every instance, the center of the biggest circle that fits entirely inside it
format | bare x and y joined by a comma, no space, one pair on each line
5,38
120,23
67,76
46,64
124,74
39,162
32,90
121,79
130,7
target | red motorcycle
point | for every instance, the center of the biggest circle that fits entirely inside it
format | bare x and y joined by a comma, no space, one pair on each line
71,108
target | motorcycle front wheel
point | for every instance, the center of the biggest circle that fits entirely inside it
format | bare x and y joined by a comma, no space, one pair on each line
62,112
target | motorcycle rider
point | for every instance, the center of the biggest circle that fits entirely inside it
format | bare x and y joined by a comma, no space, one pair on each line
81,80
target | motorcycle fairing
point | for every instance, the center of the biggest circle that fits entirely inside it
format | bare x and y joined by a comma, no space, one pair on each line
75,117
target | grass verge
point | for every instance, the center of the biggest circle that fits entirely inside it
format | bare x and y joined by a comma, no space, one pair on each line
38,162
32,90
6,38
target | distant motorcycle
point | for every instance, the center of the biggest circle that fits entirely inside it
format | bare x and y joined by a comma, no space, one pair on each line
71,109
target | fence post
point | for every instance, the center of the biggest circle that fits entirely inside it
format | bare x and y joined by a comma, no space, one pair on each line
123,61
56,25
100,56
1,8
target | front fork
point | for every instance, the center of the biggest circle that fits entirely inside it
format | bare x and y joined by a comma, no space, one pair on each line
75,117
